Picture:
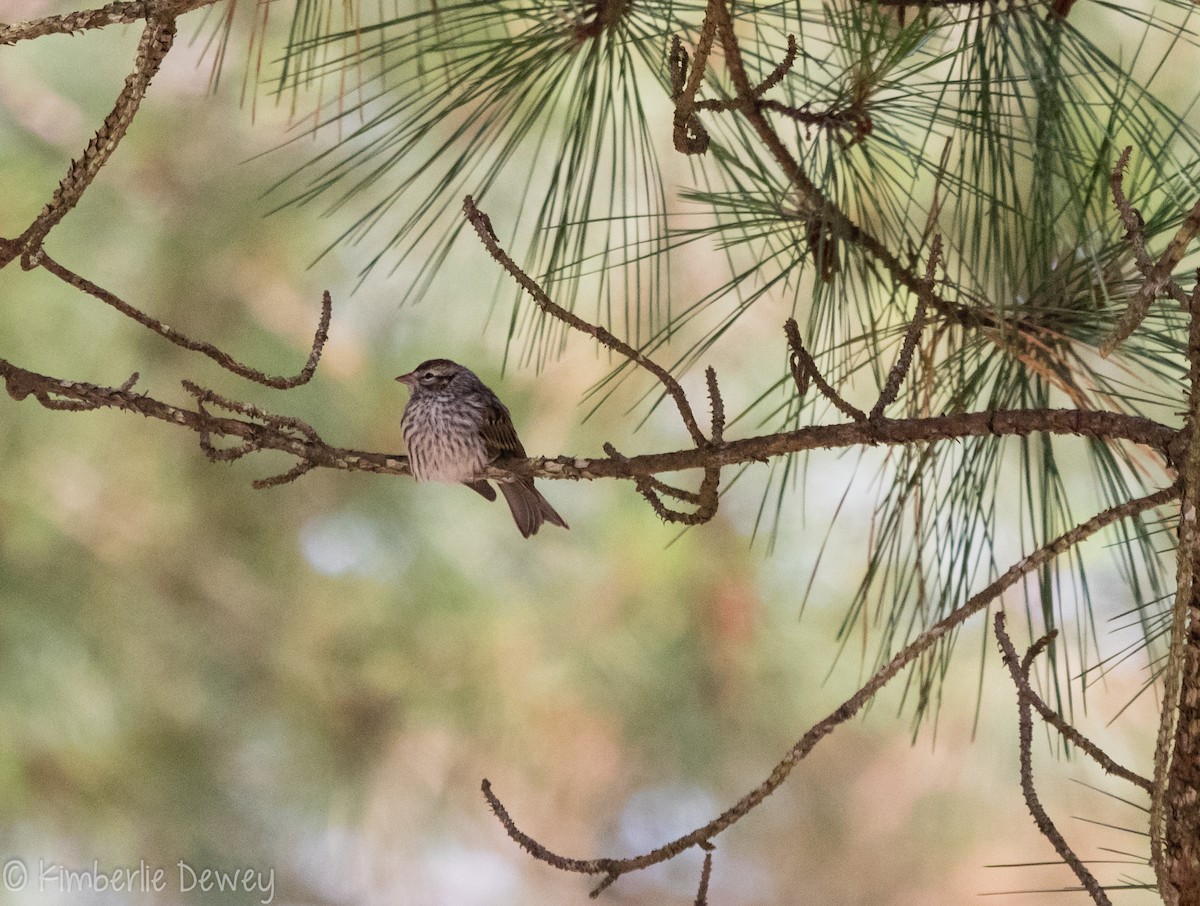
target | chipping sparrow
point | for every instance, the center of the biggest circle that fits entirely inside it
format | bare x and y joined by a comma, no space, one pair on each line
455,427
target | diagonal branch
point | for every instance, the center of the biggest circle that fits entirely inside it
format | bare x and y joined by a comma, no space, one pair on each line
1157,273
483,227
1019,671
895,378
157,38
1097,754
121,12
805,370
219,356
610,867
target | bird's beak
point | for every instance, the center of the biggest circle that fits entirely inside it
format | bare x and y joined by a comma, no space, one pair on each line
409,379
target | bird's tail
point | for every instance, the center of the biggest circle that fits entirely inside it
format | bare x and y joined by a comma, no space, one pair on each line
529,508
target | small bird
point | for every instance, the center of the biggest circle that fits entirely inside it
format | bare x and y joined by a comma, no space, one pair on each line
455,426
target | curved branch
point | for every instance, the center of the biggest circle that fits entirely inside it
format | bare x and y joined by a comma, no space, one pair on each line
804,370
226,361
483,227
1157,273
1018,669
1085,745
854,704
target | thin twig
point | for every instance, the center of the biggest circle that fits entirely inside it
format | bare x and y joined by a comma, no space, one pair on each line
1157,274
157,38
895,378
280,422
604,884
650,488
219,356
721,105
688,133
803,362
717,405
119,13
847,710
216,454
832,120
1097,754
483,227
302,467
705,875
1019,670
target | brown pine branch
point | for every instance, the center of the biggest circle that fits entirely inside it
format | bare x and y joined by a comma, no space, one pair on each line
269,432
302,467
157,38
219,356
1111,426
689,134
899,372
705,875
1175,803
705,499
610,867
833,119
716,405
1097,754
721,105
119,13
827,223
805,371
483,227
1018,669
285,425
1157,273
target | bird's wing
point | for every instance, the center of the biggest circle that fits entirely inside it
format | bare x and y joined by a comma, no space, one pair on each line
499,434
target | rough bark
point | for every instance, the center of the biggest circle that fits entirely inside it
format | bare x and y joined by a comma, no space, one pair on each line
1179,873
1182,848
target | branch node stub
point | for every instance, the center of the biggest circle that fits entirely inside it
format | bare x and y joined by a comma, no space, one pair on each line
31,258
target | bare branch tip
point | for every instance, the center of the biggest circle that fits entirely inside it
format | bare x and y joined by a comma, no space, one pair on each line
705,875
717,405
1122,161
606,883
302,467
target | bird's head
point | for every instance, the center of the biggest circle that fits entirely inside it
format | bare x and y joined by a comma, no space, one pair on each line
433,375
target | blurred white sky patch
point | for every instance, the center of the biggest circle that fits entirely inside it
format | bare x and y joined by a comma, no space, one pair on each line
344,543
654,815
461,875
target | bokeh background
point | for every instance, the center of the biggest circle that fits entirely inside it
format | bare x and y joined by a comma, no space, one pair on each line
312,680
